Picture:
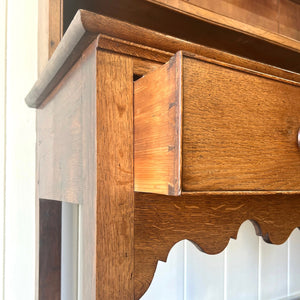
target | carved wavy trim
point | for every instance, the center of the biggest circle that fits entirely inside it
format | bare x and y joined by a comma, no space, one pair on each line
207,220
171,259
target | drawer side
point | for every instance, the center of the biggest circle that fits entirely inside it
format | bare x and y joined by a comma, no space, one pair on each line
157,130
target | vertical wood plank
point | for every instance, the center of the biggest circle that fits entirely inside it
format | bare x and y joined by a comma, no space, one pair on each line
294,263
205,274
50,250
115,201
273,270
43,33
49,29
168,280
55,24
87,211
242,264
74,154
158,113
61,129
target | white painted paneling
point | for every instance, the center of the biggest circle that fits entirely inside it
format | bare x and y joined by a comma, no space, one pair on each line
294,262
168,281
273,270
2,132
204,274
20,151
69,248
241,273
247,269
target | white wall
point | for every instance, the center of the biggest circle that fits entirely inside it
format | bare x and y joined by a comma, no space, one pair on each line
18,71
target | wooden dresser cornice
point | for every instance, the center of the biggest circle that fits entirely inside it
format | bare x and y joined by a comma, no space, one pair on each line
154,46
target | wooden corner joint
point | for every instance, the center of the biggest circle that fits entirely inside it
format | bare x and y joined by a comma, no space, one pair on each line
158,130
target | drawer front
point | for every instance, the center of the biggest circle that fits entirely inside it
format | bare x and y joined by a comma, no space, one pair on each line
238,129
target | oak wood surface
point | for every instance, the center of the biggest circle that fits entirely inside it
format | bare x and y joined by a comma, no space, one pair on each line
289,19
231,36
157,130
259,13
170,46
67,53
115,198
66,156
50,19
208,220
110,264
271,15
65,140
87,26
265,12
88,177
260,17
168,16
239,129
71,141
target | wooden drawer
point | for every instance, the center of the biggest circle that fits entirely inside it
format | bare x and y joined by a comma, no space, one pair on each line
203,125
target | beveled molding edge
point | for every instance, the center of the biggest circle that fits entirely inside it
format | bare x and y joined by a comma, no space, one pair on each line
146,44
208,220
74,42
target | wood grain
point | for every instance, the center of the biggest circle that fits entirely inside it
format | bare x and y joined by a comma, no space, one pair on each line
123,237
239,128
154,57
55,24
115,199
49,250
261,17
289,19
66,156
64,136
75,41
88,163
87,26
217,32
49,30
259,13
208,220
271,15
157,130
69,138
56,16
167,16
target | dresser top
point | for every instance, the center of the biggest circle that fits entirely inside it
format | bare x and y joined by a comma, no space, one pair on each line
274,54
